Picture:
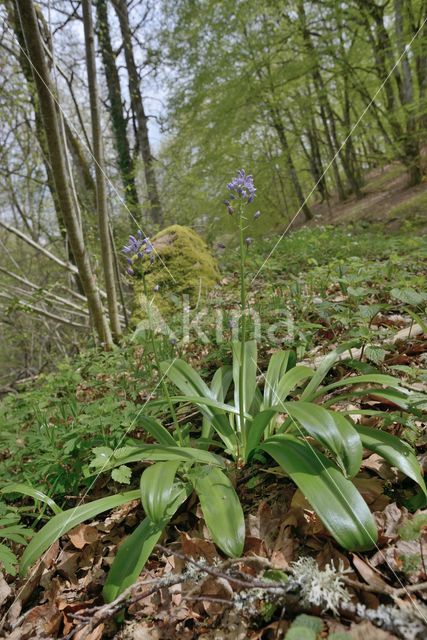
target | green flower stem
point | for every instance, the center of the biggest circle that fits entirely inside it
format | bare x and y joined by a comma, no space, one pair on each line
242,219
157,361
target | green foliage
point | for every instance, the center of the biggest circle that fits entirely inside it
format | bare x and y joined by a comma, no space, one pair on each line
413,528
75,420
11,532
305,627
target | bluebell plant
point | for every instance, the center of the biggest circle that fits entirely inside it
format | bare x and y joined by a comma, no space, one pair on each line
137,248
291,419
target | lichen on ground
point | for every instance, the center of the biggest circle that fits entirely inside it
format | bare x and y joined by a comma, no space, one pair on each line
183,272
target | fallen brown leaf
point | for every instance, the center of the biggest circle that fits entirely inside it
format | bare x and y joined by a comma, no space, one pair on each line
5,589
198,548
215,588
82,535
370,575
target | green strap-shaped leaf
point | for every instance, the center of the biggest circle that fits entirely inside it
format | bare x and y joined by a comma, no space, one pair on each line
399,398
196,391
398,453
283,387
66,520
157,431
372,378
205,404
219,387
332,430
157,485
222,426
131,557
248,373
289,381
256,430
26,490
322,370
280,363
221,508
334,498
134,552
186,378
159,453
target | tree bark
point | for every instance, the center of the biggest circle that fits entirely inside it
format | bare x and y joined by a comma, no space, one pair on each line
119,123
141,119
281,134
101,194
45,91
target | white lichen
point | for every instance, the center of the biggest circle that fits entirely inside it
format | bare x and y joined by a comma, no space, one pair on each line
325,588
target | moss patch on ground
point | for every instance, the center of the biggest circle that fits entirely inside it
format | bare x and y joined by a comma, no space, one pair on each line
183,272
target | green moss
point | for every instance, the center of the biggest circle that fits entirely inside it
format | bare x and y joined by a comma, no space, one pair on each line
183,267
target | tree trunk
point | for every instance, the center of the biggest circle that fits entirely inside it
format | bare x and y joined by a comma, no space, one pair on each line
45,90
139,113
410,140
281,134
119,124
101,195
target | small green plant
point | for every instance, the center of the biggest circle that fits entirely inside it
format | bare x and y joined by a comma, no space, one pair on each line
11,531
291,421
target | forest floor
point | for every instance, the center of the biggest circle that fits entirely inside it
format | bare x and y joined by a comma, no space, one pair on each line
330,279
386,196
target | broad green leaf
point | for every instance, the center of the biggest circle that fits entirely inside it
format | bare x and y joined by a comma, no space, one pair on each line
221,382
332,430
322,370
131,557
398,453
159,453
26,490
221,508
390,396
134,552
256,430
157,485
208,403
157,431
66,520
376,378
219,387
290,381
222,426
334,498
197,392
280,363
186,379
249,371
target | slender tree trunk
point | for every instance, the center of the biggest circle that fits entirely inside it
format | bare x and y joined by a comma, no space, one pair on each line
118,120
11,8
101,195
281,134
139,113
45,90
410,141
406,135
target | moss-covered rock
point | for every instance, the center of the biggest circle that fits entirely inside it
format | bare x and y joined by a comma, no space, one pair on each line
181,253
